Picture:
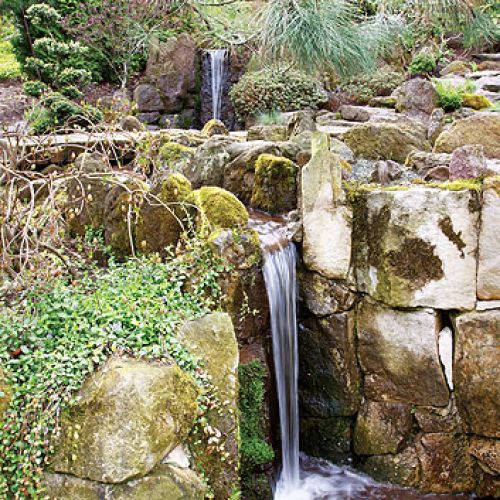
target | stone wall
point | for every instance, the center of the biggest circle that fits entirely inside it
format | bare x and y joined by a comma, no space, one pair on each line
400,330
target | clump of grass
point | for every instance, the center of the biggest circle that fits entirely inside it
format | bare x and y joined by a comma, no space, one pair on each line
450,97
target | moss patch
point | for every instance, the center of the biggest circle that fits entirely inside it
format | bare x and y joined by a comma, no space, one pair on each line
446,226
476,101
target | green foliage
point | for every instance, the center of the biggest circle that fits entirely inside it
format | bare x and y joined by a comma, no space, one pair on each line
273,89
255,450
55,111
64,330
35,88
319,34
450,97
423,63
381,83
9,67
272,117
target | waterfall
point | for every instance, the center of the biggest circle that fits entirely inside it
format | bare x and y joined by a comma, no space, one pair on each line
217,66
279,275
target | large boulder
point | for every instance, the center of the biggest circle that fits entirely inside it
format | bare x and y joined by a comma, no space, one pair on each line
275,184
148,100
468,162
172,67
127,417
481,128
163,483
399,356
164,214
476,371
417,247
386,141
330,380
382,428
488,272
212,339
207,165
417,98
327,220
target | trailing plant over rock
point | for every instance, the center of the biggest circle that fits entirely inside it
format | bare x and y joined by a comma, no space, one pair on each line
274,88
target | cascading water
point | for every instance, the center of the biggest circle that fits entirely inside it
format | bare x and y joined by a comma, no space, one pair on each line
217,66
279,275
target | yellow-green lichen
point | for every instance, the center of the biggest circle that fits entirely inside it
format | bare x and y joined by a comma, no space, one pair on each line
173,152
475,101
219,208
214,127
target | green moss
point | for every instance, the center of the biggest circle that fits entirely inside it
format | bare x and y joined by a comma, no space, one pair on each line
476,101
275,184
219,208
213,127
255,451
172,152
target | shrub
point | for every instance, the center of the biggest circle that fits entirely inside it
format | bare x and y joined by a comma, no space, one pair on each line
276,89
423,63
381,83
55,111
34,88
450,97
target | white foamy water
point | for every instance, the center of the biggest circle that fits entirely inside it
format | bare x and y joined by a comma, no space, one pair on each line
217,65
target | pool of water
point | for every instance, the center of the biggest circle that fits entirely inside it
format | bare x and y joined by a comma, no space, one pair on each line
320,480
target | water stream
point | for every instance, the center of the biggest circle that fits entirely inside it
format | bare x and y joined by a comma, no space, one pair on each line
302,477
217,66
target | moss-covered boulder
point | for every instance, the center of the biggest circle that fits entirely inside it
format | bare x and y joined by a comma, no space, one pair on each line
164,214
127,417
392,370
5,394
382,428
121,209
481,128
476,101
417,247
86,195
214,127
218,208
174,157
239,174
275,184
386,141
213,341
475,371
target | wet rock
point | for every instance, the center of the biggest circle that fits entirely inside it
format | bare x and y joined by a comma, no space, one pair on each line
238,247
148,99
323,296
417,98
273,133
386,141
487,452
402,468
212,340
207,165
382,428
446,465
481,128
330,379
416,247
164,215
467,162
432,419
171,69
327,221
398,355
156,401
488,274
477,336
275,184
327,438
